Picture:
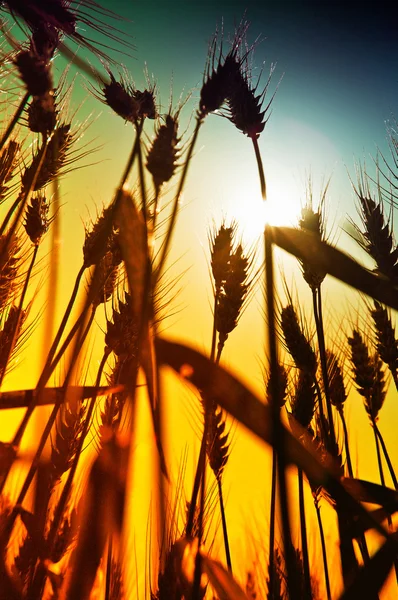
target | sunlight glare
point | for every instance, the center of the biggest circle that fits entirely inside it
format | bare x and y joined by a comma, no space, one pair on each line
282,207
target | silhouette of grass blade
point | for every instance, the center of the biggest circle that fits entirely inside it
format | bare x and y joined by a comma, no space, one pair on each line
22,399
320,255
371,577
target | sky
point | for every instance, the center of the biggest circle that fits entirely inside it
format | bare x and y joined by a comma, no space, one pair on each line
335,70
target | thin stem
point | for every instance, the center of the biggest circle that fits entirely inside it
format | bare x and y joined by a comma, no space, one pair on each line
198,559
383,483
362,538
53,279
108,570
40,576
10,212
260,167
304,542
379,461
20,307
317,304
214,332
45,373
277,428
324,553
224,525
59,511
200,466
51,420
166,244
14,120
386,455
272,526
346,444
49,366
23,199
142,185
132,156
197,481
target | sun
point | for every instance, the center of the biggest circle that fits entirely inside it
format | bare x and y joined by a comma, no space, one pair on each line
282,207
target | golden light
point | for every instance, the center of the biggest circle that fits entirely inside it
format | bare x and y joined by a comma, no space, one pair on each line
252,213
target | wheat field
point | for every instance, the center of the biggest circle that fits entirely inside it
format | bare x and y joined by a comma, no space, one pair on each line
146,452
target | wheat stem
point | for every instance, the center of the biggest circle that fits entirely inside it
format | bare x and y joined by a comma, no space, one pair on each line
52,417
303,526
142,183
346,445
214,332
224,525
272,526
277,428
14,120
53,282
198,558
386,455
260,167
173,216
49,366
59,511
383,482
108,579
317,306
20,307
324,553
22,200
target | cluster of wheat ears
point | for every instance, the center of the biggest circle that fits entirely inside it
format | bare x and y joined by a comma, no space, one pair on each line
62,528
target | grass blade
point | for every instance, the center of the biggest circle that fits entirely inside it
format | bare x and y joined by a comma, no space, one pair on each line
319,255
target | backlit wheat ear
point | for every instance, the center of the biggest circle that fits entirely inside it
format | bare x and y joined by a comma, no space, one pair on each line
304,399
36,218
126,101
25,560
377,238
387,344
163,153
338,396
296,342
35,72
217,442
45,39
122,330
233,295
219,74
221,243
10,261
55,18
65,537
118,95
108,273
9,159
65,442
55,159
312,221
96,238
42,114
10,334
282,386
337,390
368,375
111,415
